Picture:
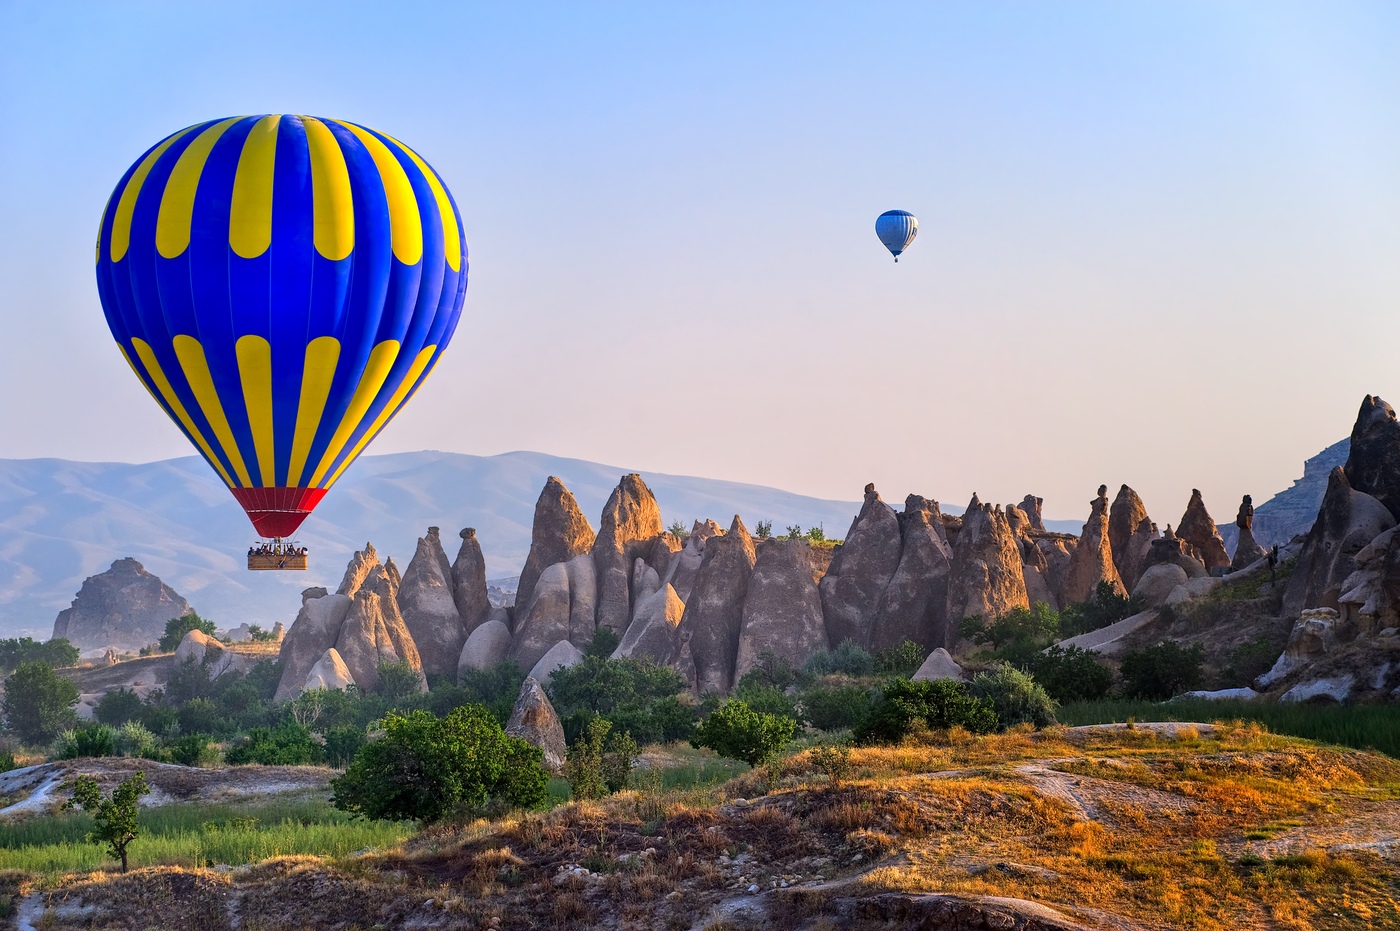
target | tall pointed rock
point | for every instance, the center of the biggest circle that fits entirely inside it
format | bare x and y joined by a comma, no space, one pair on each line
986,577
560,533
714,613
860,570
374,633
1199,532
469,582
631,522
1092,561
914,605
782,611
1125,519
1373,465
429,611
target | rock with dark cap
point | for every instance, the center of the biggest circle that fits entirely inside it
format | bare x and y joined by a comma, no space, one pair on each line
859,572
914,605
782,612
1032,506
714,615
631,522
1169,549
1199,532
986,577
560,532
1092,561
1247,550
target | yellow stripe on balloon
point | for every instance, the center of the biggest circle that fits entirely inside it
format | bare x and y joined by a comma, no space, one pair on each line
317,374
405,223
451,235
381,360
390,409
137,372
250,212
172,403
196,369
333,209
255,372
177,202
121,223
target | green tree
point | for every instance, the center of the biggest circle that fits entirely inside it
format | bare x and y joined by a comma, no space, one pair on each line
763,529
38,704
1071,674
1014,696
1017,635
633,693
92,740
287,744
829,708
177,627
903,660
904,705
258,635
58,653
398,681
1105,606
118,706
114,818
423,766
847,659
736,731
1162,671
600,762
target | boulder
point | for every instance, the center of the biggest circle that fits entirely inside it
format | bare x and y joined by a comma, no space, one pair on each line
1158,582
859,571
986,577
1126,515
197,647
1247,551
1032,506
560,533
361,565
315,630
782,610
1241,694
469,582
330,673
561,608
124,607
374,633
938,665
1314,635
428,608
1347,521
486,647
655,629
914,604
714,614
562,655
1199,532
1092,561
1333,688
1373,464
1192,589
631,522
534,721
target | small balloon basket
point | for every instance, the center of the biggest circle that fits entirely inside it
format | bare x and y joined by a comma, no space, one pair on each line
277,555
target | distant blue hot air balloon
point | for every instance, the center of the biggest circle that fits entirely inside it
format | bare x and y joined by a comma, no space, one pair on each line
896,229
281,285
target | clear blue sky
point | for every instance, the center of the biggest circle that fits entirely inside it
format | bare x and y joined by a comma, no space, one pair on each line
1160,242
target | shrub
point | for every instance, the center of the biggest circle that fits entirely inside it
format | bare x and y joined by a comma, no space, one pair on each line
398,681
632,693
834,761
288,744
342,743
765,699
736,731
1071,674
194,750
497,688
679,531
662,721
1014,696
258,635
904,705
1105,606
848,658
1161,671
833,709
7,761
118,707
93,740
57,653
177,627
603,643
199,716
114,818
133,739
772,670
903,660
763,529
188,681
38,704
600,762
423,767
1017,635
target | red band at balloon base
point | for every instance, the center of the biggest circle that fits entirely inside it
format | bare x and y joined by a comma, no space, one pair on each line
278,512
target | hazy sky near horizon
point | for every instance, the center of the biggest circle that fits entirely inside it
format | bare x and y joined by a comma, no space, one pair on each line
1159,242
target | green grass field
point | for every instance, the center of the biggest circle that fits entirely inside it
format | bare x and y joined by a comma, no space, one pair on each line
1365,727
198,835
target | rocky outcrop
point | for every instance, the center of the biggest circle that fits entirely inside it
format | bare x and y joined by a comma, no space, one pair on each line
914,605
1168,549
939,665
1373,465
374,633
859,572
1370,598
562,655
469,582
428,608
560,533
197,647
1092,561
361,565
782,611
1032,506
315,630
125,607
486,647
655,629
1313,636
562,608
1247,551
534,721
986,577
1158,582
391,569
1058,550
714,614
1129,532
1198,532
330,673
1347,521
686,563
1035,569
631,521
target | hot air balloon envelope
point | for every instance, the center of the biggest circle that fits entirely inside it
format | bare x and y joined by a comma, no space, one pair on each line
896,229
281,285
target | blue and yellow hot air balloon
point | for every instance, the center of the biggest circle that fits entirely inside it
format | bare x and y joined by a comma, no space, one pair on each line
281,285
896,229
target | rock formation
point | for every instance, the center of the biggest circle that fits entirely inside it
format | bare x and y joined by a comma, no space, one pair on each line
561,608
125,607
534,721
1347,522
859,572
715,610
1370,596
1035,569
469,582
330,672
1373,465
429,610
1058,550
939,665
655,629
1247,551
1168,549
686,563
374,632
1092,561
1032,506
560,533
1198,531
986,577
197,647
560,656
782,611
631,521
486,647
1129,533
361,565
315,630
914,605
391,569
1158,582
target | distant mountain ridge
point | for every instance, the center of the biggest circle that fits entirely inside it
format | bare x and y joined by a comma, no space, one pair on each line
62,521
1293,510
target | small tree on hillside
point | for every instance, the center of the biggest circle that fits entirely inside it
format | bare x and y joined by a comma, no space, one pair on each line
114,818
38,704
737,731
177,627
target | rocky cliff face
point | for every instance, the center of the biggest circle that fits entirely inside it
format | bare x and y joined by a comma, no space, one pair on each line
986,577
1373,465
560,533
562,608
782,612
125,607
1347,521
914,604
714,613
631,522
859,572
374,632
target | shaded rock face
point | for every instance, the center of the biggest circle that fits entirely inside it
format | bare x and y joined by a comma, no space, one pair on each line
469,582
631,521
1035,569
486,648
196,647
1032,506
914,605
986,577
1368,602
1346,523
1198,531
686,563
714,613
315,630
428,608
562,655
655,629
1313,636
361,565
1092,561
374,632
782,612
534,721
1139,547
560,533
562,608
1170,550
939,665
1247,551
1058,551
330,672
1373,465
859,572
1126,517
125,607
